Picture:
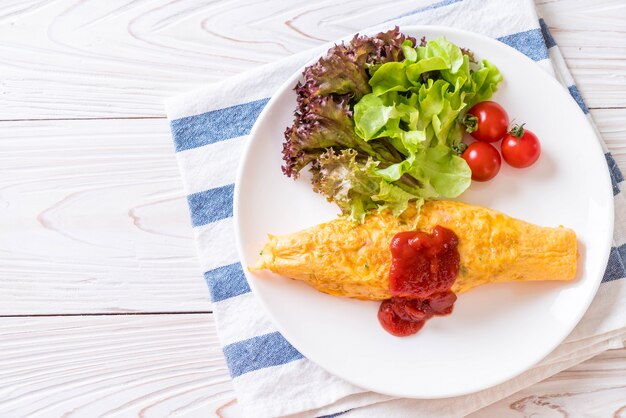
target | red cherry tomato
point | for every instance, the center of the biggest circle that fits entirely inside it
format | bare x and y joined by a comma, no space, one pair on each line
487,121
483,159
520,147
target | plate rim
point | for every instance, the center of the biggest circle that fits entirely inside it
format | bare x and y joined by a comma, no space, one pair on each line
288,84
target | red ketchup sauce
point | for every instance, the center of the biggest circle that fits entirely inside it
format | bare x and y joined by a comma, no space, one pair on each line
423,269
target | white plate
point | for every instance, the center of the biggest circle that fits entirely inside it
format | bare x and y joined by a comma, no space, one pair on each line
497,331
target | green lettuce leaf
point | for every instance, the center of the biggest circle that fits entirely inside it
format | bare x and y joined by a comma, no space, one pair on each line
393,198
355,186
391,76
485,81
440,172
410,54
440,167
371,115
415,71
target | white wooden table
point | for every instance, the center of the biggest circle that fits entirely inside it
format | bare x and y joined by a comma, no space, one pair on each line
103,309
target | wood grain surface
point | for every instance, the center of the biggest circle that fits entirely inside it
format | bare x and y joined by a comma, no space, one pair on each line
131,365
171,365
93,218
86,59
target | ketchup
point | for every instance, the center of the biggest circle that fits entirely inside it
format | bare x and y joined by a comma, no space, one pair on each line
423,269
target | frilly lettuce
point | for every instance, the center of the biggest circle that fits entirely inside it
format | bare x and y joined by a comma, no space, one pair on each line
380,121
355,185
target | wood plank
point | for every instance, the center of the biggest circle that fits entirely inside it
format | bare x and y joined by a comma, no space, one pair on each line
149,366
64,59
94,219
162,365
592,38
595,388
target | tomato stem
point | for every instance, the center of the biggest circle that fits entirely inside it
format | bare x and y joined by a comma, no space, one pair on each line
517,131
470,122
459,148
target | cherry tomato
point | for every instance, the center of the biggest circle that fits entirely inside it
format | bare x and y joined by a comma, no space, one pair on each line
483,159
487,121
520,147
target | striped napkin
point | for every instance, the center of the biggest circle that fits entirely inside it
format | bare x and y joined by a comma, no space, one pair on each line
271,378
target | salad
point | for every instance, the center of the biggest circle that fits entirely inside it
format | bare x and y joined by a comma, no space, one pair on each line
380,121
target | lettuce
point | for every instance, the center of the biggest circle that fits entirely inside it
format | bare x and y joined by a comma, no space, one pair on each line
379,120
439,170
355,186
418,105
323,117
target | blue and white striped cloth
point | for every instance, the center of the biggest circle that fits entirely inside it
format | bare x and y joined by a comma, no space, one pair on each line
271,378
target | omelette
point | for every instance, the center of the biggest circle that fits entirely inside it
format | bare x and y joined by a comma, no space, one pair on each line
342,258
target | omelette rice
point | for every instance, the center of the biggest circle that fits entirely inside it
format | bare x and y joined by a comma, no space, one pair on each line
342,258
